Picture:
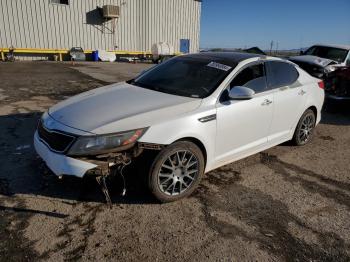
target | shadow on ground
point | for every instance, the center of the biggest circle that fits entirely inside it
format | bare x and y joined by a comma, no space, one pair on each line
336,112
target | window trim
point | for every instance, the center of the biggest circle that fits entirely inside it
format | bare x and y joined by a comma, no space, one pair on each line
280,86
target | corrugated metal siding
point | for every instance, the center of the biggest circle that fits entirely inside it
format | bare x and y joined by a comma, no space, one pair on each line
39,24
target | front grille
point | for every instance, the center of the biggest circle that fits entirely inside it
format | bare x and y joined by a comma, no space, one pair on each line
55,140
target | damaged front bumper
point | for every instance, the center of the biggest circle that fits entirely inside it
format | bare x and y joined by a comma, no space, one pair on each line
99,165
61,164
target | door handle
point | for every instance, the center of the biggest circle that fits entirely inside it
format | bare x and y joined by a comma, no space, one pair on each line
266,102
302,92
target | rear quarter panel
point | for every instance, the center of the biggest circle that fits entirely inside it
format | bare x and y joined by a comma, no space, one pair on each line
315,94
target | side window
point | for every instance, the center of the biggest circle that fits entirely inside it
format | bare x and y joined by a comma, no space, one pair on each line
252,77
280,74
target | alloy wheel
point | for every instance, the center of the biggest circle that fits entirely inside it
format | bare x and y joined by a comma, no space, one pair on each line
177,173
306,128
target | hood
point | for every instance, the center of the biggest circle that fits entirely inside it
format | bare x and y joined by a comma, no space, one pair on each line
120,107
315,60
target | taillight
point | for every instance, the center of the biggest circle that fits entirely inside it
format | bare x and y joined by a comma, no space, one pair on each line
321,84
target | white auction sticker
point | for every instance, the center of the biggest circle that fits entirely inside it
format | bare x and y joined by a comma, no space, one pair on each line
219,66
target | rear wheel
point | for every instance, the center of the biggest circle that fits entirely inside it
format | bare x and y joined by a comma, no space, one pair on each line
176,171
304,131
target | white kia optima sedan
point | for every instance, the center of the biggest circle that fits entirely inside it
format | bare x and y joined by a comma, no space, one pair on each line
195,113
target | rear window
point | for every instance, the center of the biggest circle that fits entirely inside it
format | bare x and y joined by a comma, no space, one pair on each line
280,74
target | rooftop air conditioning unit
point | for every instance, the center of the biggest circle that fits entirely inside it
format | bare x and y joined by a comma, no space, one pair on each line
110,11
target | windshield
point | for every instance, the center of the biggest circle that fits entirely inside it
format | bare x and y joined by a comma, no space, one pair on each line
336,54
190,76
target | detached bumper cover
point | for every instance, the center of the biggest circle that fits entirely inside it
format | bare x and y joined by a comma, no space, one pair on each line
61,164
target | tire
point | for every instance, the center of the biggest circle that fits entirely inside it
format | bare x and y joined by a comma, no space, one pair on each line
176,171
304,131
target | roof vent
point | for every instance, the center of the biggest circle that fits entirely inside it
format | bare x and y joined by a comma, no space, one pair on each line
110,11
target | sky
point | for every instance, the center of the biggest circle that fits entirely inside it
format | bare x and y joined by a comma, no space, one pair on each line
290,23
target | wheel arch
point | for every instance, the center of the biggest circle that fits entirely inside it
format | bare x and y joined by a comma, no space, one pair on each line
314,109
198,143
311,107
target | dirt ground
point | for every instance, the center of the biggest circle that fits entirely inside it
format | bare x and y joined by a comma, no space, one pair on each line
284,204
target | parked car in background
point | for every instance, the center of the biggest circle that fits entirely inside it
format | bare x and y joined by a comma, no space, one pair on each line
337,83
196,112
330,63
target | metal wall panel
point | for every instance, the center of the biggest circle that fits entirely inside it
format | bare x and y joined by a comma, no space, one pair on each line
40,24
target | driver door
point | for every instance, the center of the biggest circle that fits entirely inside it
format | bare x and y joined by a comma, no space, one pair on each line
243,125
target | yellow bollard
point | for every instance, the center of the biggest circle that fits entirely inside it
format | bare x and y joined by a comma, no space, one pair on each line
2,56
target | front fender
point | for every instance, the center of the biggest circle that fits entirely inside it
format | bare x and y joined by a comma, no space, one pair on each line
168,132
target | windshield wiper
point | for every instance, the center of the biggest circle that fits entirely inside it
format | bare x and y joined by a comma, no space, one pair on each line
135,83
158,89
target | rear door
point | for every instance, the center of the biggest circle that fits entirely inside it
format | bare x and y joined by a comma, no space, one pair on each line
289,98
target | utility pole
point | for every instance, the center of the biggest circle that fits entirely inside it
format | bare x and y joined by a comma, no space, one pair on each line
271,46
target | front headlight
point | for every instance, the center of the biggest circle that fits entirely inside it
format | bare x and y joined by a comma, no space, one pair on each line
99,144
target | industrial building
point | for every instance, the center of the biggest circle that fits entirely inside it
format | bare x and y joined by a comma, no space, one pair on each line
42,26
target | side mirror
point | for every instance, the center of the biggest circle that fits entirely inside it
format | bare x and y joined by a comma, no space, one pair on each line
241,93
301,52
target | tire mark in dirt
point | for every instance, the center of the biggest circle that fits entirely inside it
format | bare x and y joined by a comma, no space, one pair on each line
324,186
327,138
76,232
269,218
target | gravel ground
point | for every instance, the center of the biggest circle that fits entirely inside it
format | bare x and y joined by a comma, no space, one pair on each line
284,204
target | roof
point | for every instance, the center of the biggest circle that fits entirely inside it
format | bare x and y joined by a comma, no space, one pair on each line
231,57
346,47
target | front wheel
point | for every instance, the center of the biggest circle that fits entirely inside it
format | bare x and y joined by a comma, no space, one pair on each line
304,131
176,171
